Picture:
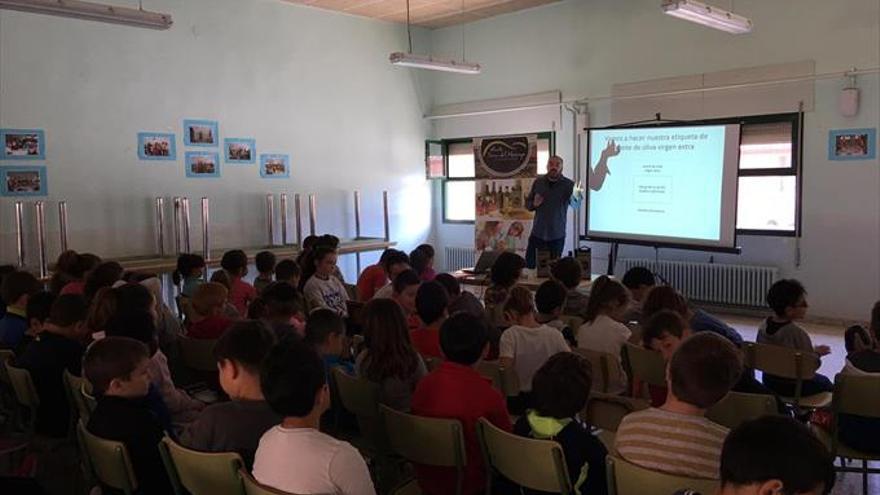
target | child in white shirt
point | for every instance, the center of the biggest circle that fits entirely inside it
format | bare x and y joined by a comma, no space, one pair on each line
603,330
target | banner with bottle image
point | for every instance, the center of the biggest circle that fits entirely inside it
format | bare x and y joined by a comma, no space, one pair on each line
506,167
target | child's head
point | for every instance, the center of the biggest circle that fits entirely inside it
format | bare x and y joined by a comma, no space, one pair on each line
787,298
69,313
639,280
222,278
703,369
135,324
328,240
283,301
387,338
256,310
294,381
240,352
104,275
561,387
664,331
117,366
209,299
464,338
665,297
450,283
394,262
235,263
136,298
288,271
775,455
855,339
325,331
405,286
507,269
519,305
431,302
18,287
550,298
428,250
607,297
419,261
265,261
188,265
309,242
324,258
568,271
38,307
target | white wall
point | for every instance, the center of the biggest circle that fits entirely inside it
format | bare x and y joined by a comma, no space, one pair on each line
584,47
311,83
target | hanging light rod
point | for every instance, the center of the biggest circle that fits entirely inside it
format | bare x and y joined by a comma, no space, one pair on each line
92,12
401,59
707,15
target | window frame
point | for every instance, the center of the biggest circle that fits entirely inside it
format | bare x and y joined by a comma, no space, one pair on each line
550,135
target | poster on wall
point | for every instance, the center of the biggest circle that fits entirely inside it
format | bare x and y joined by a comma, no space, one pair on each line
157,146
23,144
200,133
240,151
506,167
274,166
202,164
23,181
852,144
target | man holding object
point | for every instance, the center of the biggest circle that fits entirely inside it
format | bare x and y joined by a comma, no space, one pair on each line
550,198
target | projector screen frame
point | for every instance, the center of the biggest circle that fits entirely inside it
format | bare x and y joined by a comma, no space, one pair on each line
658,122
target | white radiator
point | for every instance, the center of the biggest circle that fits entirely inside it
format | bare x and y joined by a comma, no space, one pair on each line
737,285
457,258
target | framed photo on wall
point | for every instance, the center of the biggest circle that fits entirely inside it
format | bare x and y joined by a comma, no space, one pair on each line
274,166
202,164
201,133
23,181
852,144
157,146
240,151
23,144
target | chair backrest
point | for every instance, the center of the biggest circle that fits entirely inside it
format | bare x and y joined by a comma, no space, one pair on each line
646,365
781,361
607,411
89,400
362,397
738,407
202,472
503,379
534,464
858,395
431,362
606,368
428,441
109,460
625,478
6,355
72,388
198,354
23,385
253,487
573,322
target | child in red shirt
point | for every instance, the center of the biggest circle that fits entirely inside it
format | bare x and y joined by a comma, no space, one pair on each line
374,277
431,303
241,293
208,322
456,391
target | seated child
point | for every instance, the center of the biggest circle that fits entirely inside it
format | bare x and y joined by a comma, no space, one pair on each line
560,390
229,311
295,456
323,289
241,293
325,331
505,273
701,372
208,321
265,261
284,310
455,390
639,281
38,308
56,348
774,454
460,300
237,425
863,359
603,330
405,286
568,271
666,297
787,299
376,279
16,289
527,344
288,271
117,369
549,300
422,261
190,268
431,302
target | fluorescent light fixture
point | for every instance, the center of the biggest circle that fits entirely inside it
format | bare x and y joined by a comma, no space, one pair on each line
707,15
92,12
401,59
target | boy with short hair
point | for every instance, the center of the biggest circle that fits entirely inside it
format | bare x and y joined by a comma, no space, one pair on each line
455,390
237,425
773,455
549,300
787,299
460,300
639,280
568,271
265,261
55,349
325,331
431,303
117,369
284,309
395,263
209,321
294,382
560,390
405,286
701,372
288,271
16,289
664,331
241,293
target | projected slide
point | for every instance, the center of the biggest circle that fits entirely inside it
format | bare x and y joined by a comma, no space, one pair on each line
665,185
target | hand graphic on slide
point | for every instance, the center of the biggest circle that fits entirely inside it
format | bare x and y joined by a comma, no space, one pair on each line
598,174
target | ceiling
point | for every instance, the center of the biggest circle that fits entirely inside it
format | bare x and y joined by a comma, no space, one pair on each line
425,13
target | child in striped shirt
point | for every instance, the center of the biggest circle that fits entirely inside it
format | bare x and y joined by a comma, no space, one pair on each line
677,438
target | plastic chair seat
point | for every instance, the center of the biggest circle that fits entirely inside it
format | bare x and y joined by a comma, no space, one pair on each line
409,487
817,401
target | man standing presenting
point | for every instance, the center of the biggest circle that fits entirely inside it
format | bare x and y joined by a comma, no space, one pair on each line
550,197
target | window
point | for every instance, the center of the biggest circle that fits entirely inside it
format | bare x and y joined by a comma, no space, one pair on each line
459,188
